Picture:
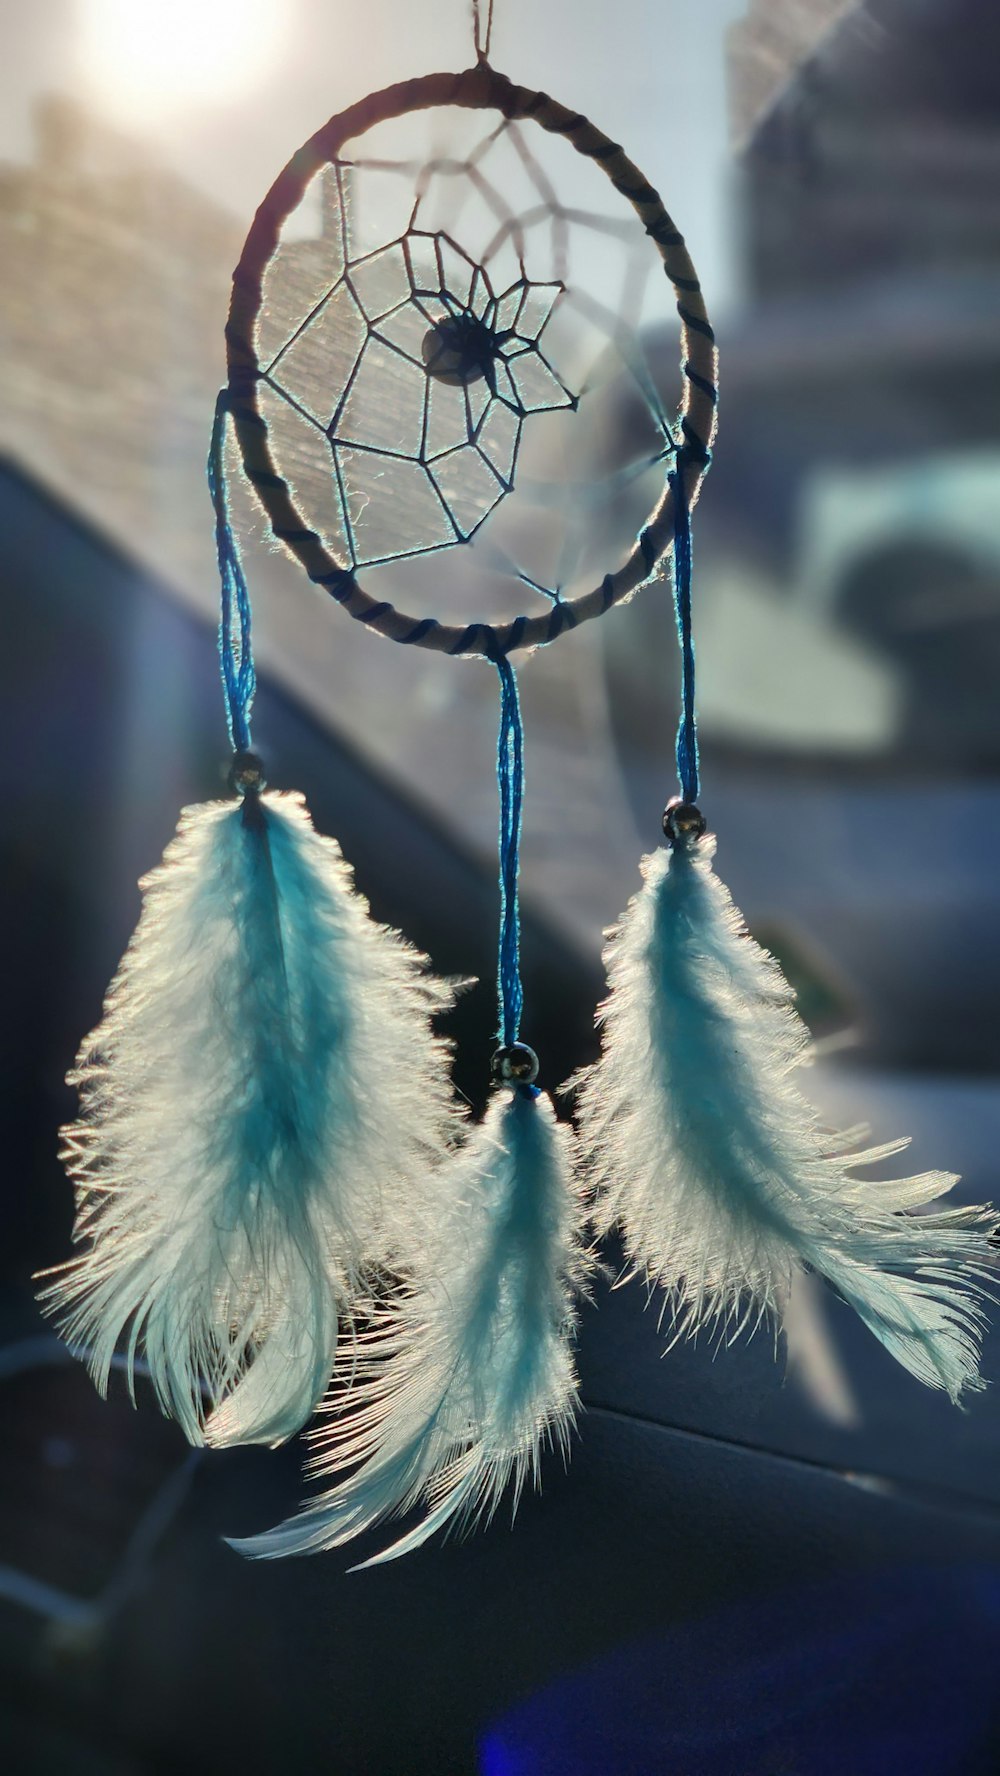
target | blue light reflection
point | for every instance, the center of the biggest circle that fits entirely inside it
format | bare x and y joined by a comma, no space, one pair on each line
883,1673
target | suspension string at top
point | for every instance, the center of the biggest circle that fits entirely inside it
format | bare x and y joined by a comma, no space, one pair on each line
687,727
235,647
510,776
481,40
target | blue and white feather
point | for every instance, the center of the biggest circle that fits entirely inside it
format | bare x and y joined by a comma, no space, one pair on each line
261,1109
719,1172
465,1375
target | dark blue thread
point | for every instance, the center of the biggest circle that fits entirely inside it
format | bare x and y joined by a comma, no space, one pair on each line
301,535
419,630
601,151
641,194
510,777
695,322
558,621
235,647
702,383
693,449
340,584
515,633
467,640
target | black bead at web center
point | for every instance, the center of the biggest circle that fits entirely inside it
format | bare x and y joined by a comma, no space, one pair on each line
460,349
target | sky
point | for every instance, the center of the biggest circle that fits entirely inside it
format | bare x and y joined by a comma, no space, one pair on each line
225,90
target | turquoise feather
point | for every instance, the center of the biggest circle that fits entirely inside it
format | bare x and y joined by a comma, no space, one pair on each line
259,1111
464,1376
718,1171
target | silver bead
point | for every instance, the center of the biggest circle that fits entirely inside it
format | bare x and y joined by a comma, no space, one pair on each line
516,1065
246,774
683,823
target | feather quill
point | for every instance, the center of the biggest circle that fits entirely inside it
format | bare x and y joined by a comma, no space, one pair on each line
463,1376
718,1170
258,1108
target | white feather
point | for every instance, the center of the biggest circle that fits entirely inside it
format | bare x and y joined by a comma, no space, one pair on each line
719,1171
259,1111
463,1377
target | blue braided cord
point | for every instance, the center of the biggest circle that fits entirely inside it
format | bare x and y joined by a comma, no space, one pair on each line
687,729
235,649
510,776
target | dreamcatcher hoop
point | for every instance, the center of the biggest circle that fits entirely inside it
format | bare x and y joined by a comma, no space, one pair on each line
477,88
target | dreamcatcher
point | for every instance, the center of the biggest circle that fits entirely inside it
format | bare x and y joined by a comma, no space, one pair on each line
275,1187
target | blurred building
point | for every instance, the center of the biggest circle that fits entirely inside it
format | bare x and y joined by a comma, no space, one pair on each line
869,202
765,49
111,307
847,611
853,500
881,156
864,385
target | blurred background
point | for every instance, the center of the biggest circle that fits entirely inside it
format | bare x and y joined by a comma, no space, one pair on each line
753,1567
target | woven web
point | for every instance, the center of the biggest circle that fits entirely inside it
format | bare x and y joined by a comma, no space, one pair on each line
442,373
435,340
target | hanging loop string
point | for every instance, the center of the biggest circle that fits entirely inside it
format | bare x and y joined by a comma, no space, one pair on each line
510,776
235,647
687,728
482,42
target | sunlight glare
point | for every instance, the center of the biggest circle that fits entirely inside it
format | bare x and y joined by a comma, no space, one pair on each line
144,59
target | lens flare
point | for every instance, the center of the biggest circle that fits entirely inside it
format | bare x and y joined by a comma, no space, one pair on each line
141,61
